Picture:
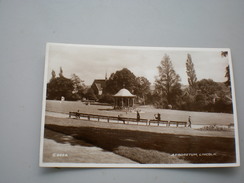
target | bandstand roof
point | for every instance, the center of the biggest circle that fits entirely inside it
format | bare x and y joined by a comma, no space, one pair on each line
124,93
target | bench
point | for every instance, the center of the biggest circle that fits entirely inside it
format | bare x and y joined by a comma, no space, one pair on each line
75,114
78,115
177,123
158,122
136,120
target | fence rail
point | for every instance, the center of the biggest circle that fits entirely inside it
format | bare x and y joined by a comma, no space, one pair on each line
125,120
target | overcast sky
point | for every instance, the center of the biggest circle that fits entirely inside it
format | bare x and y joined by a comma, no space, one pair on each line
93,62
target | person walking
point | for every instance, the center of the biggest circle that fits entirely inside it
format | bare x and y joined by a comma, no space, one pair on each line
189,121
137,116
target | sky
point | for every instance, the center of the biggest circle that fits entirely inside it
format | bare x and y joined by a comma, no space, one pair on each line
94,62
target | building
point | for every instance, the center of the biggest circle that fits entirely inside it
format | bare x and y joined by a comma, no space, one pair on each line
98,85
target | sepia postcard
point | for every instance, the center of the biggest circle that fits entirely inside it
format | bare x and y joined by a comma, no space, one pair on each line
138,107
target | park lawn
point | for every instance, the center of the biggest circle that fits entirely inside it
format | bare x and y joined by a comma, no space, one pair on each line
149,143
146,112
122,141
50,120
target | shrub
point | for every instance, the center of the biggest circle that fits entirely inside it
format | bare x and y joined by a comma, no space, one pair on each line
214,128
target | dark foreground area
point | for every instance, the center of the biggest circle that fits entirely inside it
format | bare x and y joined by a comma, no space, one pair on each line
191,149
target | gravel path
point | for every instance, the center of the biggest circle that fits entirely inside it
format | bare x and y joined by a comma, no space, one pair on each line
166,130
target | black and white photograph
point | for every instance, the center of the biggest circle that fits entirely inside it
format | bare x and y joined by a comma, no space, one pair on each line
125,106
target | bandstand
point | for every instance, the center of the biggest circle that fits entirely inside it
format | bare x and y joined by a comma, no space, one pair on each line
124,99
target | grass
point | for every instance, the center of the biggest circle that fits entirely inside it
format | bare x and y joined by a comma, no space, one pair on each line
145,156
148,146
59,147
115,140
147,112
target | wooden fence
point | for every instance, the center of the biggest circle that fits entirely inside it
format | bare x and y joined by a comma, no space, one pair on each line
126,120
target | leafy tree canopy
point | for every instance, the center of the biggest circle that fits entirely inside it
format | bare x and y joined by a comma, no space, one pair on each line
121,79
59,87
142,86
71,89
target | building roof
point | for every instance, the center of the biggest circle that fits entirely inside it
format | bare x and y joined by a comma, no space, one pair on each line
99,84
124,93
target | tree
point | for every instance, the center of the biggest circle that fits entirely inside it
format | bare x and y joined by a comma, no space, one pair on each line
227,70
59,87
227,75
61,72
121,79
208,87
142,88
71,89
78,86
212,96
192,79
167,84
90,94
53,75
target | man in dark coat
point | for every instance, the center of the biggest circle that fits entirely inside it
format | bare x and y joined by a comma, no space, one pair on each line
189,121
138,116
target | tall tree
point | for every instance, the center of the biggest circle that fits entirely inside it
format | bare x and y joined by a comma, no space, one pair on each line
227,75
78,86
190,70
53,75
168,82
61,72
227,70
